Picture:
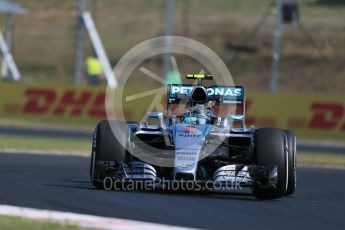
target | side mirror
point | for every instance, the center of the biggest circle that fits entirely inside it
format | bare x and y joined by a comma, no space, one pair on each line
237,117
155,115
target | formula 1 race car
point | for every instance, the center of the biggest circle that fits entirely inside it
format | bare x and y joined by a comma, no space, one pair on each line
199,146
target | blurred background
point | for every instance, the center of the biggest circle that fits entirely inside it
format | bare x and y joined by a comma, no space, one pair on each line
55,98
240,32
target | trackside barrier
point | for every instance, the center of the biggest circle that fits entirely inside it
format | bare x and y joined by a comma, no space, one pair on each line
309,116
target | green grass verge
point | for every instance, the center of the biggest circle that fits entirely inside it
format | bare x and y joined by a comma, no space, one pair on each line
320,159
11,143
45,144
14,223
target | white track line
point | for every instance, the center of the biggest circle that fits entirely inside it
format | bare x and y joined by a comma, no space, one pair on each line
82,220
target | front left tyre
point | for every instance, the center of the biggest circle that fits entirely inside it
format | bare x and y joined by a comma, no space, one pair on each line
270,150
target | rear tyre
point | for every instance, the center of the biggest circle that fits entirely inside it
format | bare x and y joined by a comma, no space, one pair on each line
106,147
291,143
270,150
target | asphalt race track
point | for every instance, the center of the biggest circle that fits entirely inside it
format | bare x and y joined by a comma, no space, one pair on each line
62,183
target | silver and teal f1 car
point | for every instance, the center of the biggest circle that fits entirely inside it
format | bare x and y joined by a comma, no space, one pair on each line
198,146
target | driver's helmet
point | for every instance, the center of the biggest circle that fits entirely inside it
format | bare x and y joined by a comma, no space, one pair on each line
196,115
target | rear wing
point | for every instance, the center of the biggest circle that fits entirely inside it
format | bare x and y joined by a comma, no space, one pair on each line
178,93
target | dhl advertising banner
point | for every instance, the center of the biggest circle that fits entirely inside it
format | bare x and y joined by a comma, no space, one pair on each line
318,117
52,103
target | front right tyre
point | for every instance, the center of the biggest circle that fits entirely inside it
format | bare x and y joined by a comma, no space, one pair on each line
106,148
291,144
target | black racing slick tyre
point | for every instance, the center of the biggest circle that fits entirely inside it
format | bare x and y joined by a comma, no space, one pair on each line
94,172
292,178
270,150
106,147
110,148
